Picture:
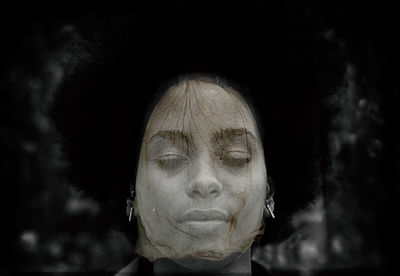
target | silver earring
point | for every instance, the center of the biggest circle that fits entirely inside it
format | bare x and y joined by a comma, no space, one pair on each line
269,207
129,203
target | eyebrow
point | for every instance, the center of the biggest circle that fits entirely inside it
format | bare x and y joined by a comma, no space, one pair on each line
169,134
227,132
234,132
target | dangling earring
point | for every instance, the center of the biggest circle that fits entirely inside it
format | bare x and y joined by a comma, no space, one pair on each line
129,203
269,207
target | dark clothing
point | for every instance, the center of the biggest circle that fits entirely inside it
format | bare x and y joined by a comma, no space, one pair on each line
141,266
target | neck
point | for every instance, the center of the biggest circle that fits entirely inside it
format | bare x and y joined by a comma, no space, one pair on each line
239,263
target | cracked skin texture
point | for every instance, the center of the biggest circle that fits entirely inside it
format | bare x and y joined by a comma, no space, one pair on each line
201,150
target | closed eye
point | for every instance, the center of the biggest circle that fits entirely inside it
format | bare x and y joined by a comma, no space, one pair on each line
171,161
172,155
235,158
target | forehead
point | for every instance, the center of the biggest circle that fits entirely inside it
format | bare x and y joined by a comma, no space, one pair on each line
200,108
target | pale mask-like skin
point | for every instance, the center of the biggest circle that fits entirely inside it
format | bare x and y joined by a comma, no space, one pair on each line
201,181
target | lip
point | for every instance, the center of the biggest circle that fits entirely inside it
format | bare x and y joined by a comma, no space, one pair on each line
200,215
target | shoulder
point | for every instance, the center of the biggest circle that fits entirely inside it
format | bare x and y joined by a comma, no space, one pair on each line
138,265
258,269
130,269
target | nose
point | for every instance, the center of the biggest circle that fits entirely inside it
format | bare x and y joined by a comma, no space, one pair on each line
204,184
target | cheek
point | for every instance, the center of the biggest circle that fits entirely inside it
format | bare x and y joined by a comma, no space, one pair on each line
250,187
250,217
259,180
164,192
243,182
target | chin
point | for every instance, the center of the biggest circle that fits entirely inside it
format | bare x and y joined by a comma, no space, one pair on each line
215,249
206,260
210,255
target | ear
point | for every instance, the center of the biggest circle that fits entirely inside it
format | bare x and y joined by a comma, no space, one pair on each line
270,186
129,208
131,203
269,201
269,207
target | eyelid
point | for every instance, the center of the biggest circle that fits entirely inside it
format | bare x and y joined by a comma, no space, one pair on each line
239,151
236,154
172,154
235,158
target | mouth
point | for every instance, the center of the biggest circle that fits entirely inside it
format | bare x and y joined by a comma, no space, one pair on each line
208,215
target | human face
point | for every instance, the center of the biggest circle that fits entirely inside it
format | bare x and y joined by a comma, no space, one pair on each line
201,179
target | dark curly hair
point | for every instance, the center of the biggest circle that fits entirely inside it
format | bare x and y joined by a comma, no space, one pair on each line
102,108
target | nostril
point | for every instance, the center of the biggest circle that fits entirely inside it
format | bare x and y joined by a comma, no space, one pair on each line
214,192
204,189
195,193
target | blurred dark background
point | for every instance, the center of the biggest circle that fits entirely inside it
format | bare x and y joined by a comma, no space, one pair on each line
78,80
